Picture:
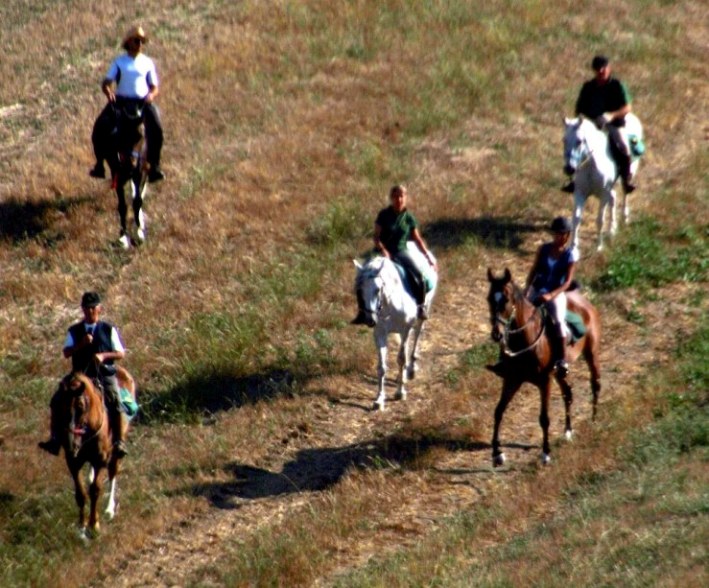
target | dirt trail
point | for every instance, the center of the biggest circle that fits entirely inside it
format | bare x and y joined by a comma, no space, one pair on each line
458,479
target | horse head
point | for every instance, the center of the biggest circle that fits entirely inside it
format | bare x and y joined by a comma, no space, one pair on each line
369,286
131,133
82,409
500,302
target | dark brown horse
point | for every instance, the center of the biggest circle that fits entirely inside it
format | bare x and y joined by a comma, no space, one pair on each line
520,328
129,167
87,438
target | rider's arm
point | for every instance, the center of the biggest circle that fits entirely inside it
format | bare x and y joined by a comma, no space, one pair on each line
107,89
152,94
378,245
620,113
532,272
416,236
70,346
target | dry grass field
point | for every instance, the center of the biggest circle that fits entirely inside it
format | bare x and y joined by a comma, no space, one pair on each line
256,460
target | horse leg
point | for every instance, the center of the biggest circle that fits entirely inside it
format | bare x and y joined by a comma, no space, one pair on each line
509,389
80,496
413,366
94,494
380,341
124,241
545,393
579,202
404,363
590,354
568,395
112,473
138,216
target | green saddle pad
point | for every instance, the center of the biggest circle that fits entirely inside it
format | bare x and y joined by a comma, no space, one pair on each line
130,406
576,326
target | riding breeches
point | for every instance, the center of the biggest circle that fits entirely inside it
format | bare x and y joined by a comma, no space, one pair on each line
414,274
557,309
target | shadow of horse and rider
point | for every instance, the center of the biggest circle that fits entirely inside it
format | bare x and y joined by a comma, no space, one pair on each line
318,469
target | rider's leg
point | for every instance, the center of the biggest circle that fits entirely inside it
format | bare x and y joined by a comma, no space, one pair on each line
100,137
53,444
361,318
417,282
116,415
621,154
154,135
558,333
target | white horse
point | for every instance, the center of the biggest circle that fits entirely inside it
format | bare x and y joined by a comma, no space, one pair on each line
587,156
389,308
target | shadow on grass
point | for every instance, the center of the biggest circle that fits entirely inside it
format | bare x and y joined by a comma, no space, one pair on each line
494,233
202,395
318,469
23,220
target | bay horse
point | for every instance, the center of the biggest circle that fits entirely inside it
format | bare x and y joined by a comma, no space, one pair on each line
588,158
520,329
129,165
389,308
87,439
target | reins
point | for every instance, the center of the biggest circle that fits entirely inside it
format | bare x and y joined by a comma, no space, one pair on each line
507,332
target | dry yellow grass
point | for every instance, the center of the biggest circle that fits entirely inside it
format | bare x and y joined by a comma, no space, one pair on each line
273,111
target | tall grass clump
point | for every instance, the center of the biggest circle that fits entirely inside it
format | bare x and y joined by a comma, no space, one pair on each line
650,255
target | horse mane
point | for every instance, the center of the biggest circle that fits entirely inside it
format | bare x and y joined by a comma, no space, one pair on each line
76,384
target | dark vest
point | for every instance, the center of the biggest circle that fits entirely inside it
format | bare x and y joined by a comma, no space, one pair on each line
82,359
550,278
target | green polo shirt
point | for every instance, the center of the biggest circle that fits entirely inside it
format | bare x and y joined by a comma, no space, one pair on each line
396,228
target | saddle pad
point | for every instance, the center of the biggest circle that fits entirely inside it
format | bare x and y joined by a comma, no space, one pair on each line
428,283
576,326
130,406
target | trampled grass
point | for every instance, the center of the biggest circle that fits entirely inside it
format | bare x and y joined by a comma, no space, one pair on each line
286,123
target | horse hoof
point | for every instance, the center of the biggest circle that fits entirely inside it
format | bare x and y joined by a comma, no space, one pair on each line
546,459
400,395
140,235
569,435
498,460
124,242
378,405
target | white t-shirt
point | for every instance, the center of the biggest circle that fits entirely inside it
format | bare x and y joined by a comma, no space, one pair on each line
133,76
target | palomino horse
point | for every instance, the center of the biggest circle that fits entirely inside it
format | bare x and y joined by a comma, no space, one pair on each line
389,308
129,165
87,438
520,329
587,156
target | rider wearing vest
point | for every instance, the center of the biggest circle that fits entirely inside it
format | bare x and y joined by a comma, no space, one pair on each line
548,280
393,228
135,78
605,100
93,347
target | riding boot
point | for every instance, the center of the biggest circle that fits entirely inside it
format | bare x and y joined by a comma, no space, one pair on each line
154,137
625,175
53,444
569,188
119,425
361,318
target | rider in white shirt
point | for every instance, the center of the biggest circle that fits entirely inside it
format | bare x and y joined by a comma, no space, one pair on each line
132,76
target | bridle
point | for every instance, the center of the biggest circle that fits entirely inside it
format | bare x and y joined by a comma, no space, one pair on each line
504,340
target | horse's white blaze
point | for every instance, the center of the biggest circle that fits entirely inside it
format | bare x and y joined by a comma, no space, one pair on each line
587,154
394,311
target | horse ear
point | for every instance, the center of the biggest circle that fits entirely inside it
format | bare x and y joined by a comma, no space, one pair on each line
508,275
357,264
490,277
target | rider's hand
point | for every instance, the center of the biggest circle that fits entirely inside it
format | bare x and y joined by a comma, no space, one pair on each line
98,358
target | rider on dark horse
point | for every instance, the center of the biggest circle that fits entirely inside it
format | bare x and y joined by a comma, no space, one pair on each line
605,100
93,347
551,275
136,80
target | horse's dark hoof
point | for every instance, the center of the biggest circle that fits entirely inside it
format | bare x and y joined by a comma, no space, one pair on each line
155,175
98,172
50,446
119,449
